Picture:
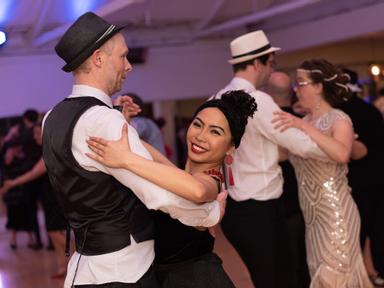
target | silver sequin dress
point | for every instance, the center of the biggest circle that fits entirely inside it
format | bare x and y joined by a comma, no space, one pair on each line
331,217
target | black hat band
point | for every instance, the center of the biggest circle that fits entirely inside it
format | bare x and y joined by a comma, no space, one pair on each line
257,51
107,32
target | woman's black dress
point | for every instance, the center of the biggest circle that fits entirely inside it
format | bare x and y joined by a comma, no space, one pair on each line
18,201
184,257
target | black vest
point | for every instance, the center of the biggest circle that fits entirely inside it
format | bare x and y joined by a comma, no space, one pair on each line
102,212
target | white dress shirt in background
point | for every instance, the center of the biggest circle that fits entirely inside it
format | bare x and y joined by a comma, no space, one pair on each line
255,167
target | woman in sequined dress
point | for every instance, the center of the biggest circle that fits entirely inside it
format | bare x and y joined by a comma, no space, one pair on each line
332,221
183,254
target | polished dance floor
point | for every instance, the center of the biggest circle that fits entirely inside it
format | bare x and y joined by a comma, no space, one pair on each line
26,268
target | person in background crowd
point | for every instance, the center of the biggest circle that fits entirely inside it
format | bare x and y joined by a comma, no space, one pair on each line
332,220
379,102
20,142
364,177
18,200
55,222
161,122
280,88
146,127
254,221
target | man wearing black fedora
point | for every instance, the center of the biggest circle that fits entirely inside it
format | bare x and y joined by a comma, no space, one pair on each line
107,208
254,220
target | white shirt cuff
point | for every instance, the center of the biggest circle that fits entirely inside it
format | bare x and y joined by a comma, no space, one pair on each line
214,215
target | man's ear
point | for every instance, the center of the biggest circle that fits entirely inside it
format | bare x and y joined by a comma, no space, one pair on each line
256,64
97,58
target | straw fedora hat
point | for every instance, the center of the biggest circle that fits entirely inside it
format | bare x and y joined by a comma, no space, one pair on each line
250,46
84,36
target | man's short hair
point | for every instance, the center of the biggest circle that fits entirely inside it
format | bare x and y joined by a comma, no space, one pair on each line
243,65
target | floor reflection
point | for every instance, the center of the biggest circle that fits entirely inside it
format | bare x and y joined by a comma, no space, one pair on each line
26,268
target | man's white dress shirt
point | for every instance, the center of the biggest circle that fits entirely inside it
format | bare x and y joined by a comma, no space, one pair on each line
256,170
130,263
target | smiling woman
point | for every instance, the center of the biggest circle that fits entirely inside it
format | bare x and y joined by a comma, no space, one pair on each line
216,130
209,137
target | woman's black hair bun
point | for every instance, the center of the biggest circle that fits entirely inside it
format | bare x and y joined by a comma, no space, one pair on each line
241,102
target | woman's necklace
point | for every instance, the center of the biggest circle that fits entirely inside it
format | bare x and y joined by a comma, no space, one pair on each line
215,173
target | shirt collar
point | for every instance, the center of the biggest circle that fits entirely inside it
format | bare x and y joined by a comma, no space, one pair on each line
243,83
80,90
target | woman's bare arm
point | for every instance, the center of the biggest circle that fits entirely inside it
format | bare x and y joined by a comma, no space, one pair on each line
359,150
38,170
156,155
116,154
337,146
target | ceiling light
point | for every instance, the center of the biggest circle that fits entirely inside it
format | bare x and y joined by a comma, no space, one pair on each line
3,37
375,70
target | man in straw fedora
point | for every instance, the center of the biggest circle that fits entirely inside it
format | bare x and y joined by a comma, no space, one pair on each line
254,220
107,208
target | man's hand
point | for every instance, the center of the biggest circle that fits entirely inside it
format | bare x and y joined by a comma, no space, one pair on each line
222,199
284,120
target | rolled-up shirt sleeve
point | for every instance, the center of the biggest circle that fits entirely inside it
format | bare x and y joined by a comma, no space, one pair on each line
293,139
104,122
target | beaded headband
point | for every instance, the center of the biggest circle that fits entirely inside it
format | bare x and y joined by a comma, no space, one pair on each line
328,79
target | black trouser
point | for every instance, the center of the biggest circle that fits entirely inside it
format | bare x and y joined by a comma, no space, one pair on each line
363,198
33,190
202,272
376,233
370,202
257,230
298,261
147,281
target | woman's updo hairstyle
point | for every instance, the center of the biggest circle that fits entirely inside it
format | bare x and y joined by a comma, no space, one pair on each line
236,106
334,82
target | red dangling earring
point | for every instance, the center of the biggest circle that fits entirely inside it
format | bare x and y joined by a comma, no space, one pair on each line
228,160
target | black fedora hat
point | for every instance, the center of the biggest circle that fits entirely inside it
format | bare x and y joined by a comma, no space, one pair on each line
84,36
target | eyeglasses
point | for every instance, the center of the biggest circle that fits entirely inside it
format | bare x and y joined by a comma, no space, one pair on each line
302,83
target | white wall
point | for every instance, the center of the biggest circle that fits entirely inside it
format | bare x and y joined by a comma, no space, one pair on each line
334,28
182,72
191,71
170,73
31,81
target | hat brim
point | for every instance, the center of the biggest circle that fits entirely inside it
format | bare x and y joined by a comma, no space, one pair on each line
79,59
253,56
